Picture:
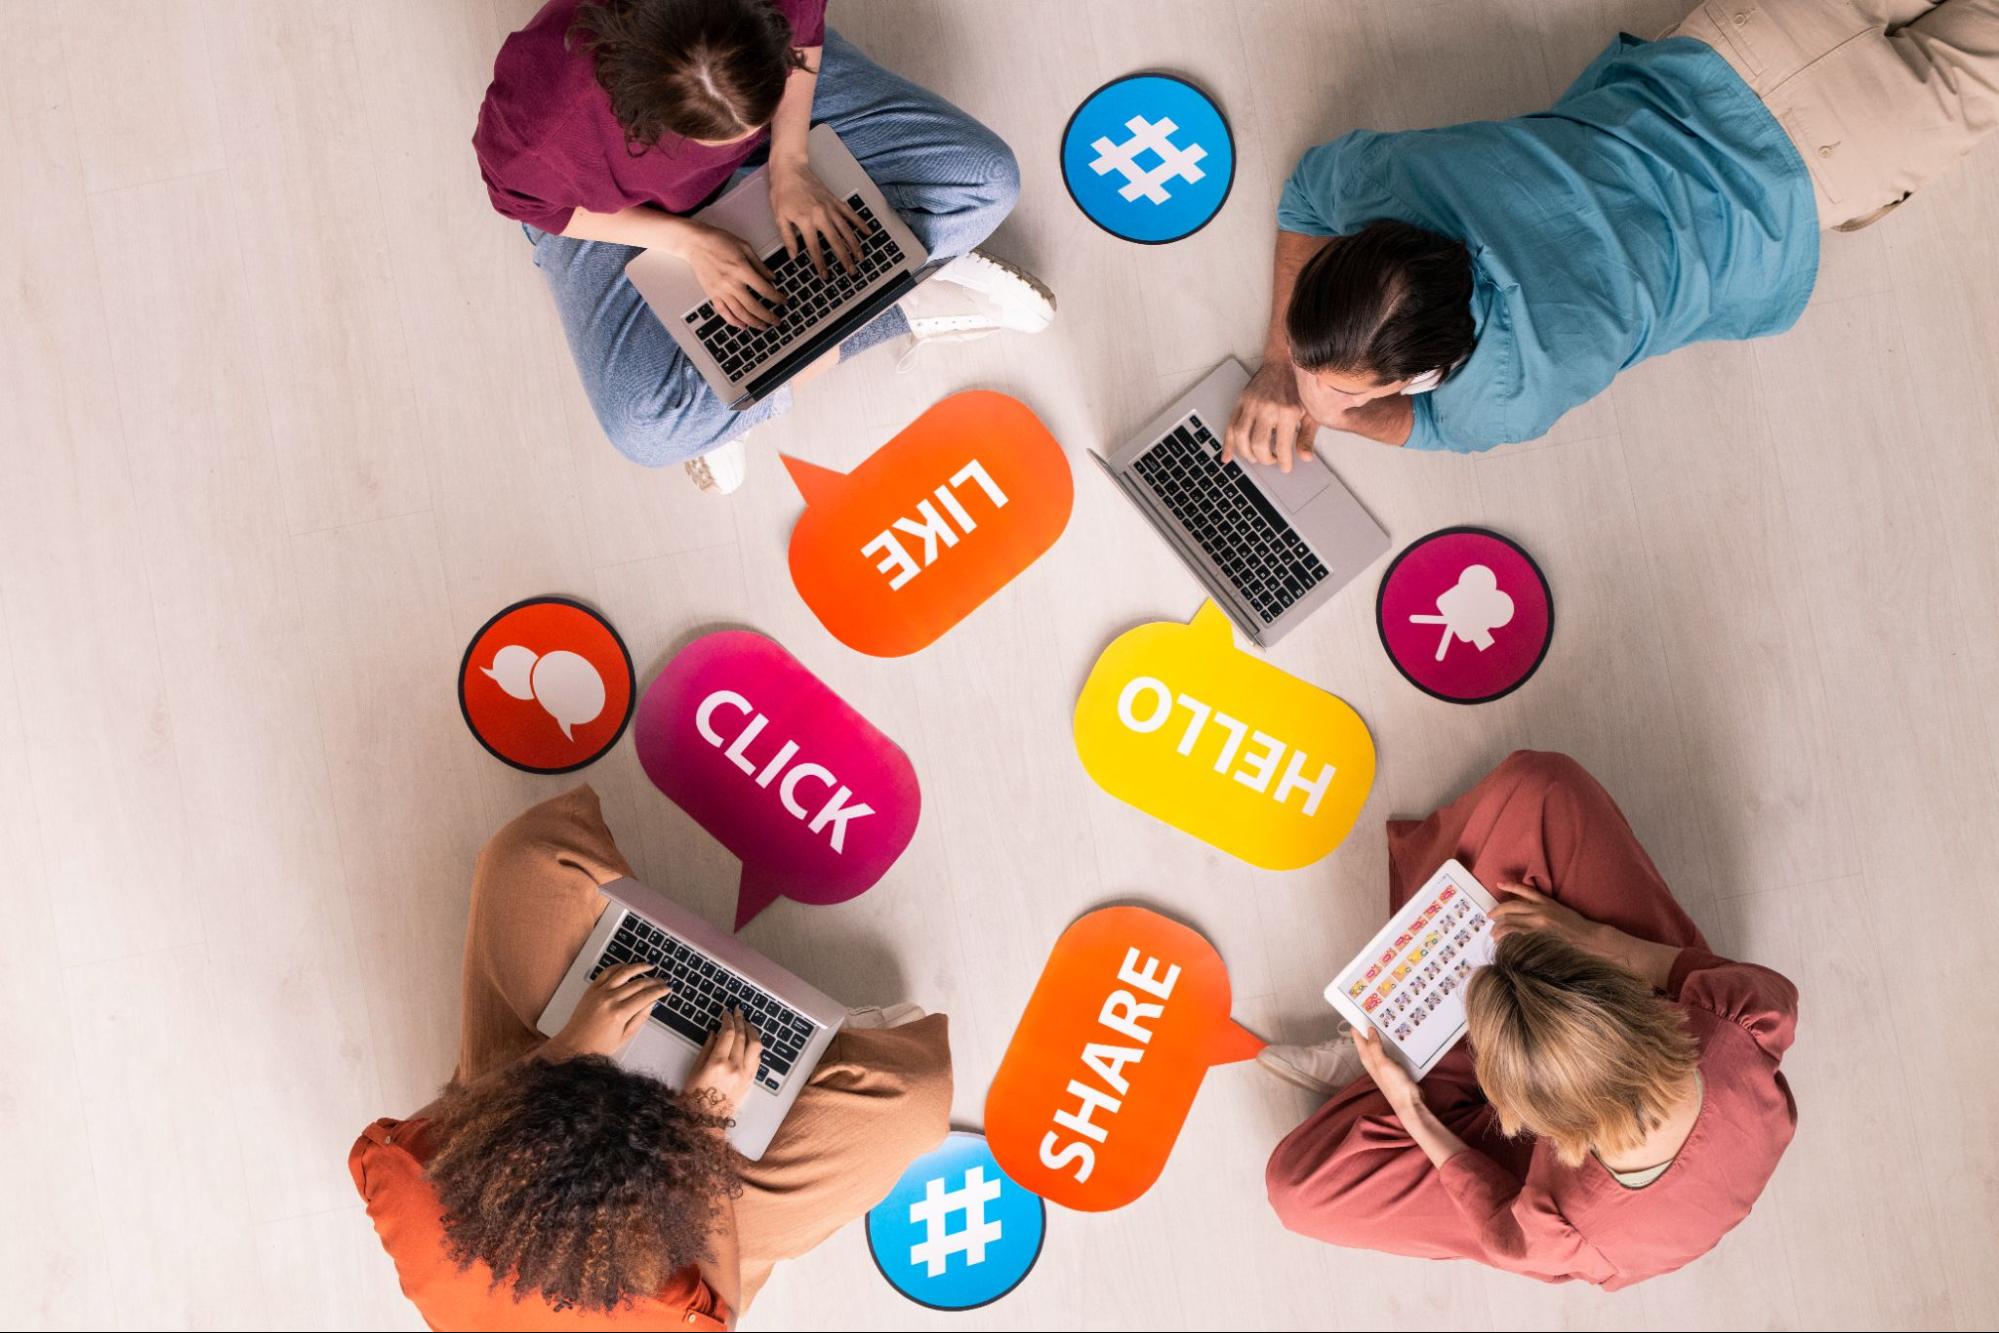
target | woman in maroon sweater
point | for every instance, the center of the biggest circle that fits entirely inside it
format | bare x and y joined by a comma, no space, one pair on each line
609,121
1618,1107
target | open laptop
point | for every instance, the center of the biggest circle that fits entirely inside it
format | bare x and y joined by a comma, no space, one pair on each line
710,971
744,366
1271,547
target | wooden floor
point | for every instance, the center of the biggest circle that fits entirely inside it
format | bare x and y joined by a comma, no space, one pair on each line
286,414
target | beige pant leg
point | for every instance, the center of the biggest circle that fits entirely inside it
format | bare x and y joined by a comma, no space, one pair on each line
1894,13
1874,109
878,1100
1957,44
534,902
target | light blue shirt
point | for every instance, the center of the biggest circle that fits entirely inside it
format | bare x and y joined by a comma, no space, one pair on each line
1657,204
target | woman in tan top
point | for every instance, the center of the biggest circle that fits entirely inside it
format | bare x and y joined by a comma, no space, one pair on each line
548,1188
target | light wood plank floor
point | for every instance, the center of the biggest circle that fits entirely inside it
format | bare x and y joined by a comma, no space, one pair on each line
286,413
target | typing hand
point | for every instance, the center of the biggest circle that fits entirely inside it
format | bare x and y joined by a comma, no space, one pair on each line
727,1064
810,216
610,1013
731,276
1270,423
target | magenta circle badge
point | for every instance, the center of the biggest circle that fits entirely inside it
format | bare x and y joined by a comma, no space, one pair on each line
1465,614
816,802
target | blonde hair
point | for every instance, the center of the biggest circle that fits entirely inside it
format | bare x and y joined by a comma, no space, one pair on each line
1573,1048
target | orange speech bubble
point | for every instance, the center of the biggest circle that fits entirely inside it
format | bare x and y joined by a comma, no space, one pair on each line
1129,1013
894,553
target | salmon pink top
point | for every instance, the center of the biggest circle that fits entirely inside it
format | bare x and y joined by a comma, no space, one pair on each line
1536,1216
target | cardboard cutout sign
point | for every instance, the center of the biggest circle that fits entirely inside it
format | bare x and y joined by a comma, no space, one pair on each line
546,685
1465,614
1149,158
1129,1013
816,801
956,1232
896,552
1175,720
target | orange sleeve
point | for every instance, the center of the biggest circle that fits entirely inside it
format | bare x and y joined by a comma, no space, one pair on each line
373,1137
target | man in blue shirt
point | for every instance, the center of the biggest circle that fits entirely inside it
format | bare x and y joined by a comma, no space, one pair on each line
1461,288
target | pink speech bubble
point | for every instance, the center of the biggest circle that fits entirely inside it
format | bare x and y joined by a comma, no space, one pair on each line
816,801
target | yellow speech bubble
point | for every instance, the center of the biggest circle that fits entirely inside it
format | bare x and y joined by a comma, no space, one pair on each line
1177,721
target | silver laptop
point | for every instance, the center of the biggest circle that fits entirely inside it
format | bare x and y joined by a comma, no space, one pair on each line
744,366
1271,547
710,971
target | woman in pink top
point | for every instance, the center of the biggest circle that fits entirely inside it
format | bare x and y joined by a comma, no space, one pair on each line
1618,1106
609,121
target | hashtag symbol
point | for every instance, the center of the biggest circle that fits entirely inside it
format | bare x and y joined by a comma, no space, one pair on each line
937,1204
1173,161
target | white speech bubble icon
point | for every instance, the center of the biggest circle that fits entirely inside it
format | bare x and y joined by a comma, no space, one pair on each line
512,667
568,689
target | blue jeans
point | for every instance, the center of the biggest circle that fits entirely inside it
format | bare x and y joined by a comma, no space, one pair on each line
950,178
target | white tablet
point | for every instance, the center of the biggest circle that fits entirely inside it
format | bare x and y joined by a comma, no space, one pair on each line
1409,982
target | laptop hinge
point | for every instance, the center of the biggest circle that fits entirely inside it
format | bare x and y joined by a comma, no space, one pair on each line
856,316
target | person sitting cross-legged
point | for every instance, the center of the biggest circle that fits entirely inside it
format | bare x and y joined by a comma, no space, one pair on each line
609,121
549,1188
1618,1104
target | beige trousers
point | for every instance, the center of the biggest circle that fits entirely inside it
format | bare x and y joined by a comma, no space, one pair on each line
878,1100
1878,96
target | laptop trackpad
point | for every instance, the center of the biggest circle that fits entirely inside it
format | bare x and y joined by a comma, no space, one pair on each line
1295,489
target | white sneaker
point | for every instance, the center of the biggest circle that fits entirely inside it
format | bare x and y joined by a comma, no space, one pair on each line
975,295
874,1016
722,469
1324,1069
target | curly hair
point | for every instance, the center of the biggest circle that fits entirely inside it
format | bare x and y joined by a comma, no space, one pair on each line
1574,1048
584,1183
699,69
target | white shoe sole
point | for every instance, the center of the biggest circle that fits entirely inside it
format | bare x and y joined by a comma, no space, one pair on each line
1028,280
701,470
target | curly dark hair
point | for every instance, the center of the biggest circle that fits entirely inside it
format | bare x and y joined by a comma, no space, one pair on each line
585,1183
699,69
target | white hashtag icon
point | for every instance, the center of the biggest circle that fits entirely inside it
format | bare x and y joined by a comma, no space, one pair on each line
939,1203
1173,161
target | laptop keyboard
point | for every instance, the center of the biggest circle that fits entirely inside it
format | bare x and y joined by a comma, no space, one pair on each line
808,299
1253,545
703,990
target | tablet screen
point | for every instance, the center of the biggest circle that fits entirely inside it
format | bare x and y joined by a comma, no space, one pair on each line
1410,980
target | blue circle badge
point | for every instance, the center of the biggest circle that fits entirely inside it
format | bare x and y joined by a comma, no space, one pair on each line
956,1232
1148,157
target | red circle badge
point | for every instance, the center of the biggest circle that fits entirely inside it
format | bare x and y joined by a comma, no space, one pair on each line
546,685
1465,615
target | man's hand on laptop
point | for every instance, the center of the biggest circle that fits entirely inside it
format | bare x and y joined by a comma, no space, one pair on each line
728,1063
611,1012
730,275
811,219
1270,423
